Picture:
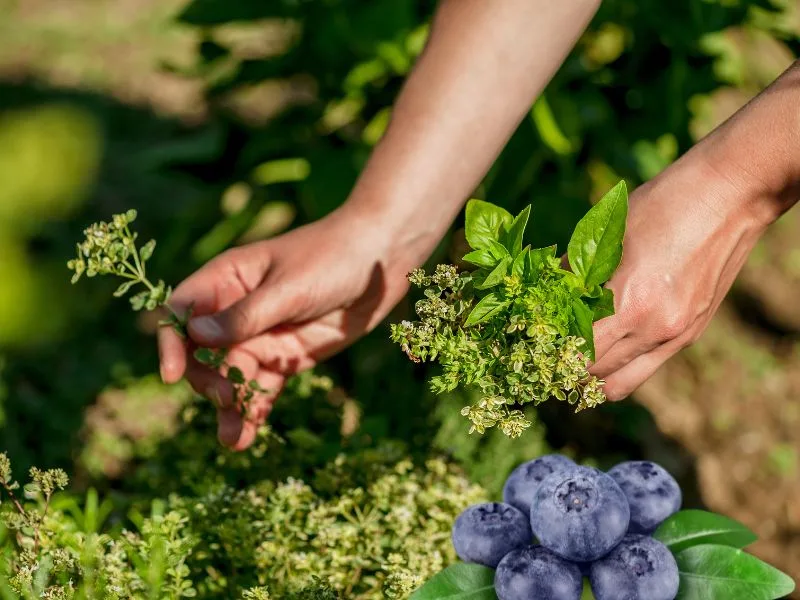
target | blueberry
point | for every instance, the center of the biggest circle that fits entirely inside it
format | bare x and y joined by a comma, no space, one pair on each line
535,573
485,533
579,514
521,485
640,568
652,493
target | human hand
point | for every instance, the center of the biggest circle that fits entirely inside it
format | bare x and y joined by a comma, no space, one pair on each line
280,306
689,233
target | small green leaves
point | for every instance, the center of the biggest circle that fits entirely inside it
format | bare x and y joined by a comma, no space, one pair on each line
147,250
711,571
512,238
603,305
480,258
235,376
123,289
595,248
496,276
461,581
582,326
482,223
490,305
693,527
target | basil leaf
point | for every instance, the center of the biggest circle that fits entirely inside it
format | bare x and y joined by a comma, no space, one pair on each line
582,325
712,571
518,266
534,261
481,258
461,581
482,223
595,249
603,306
695,527
512,239
489,306
496,276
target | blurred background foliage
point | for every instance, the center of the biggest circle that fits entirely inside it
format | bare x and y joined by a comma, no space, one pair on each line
228,122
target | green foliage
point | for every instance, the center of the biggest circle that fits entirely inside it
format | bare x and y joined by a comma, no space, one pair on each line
460,581
692,527
370,527
519,327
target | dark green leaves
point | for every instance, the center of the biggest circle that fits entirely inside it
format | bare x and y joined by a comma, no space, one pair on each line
460,581
482,223
712,571
595,248
582,325
490,305
603,305
693,527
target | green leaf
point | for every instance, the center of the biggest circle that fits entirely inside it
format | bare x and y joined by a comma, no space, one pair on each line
461,581
582,325
534,261
205,356
482,223
235,375
595,249
603,306
518,266
123,289
695,527
147,250
512,239
496,276
712,571
489,306
481,258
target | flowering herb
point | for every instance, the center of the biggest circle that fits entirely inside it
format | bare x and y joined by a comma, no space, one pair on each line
519,326
111,249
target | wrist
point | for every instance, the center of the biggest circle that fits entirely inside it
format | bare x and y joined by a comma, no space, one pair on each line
403,235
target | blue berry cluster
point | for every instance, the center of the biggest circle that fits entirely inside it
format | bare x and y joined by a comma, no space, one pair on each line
559,522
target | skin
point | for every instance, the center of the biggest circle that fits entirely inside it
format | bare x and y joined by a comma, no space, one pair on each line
284,304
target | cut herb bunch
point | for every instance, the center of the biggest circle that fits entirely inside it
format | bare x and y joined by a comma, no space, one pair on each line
519,326
110,249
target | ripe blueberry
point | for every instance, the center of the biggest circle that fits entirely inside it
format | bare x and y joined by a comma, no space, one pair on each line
521,485
579,514
485,533
535,573
652,493
640,568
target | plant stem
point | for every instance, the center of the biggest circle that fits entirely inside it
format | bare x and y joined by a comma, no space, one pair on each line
13,497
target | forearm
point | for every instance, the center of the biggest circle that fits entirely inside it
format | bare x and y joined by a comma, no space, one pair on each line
757,150
484,65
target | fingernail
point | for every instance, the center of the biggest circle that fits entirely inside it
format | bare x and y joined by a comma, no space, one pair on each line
207,327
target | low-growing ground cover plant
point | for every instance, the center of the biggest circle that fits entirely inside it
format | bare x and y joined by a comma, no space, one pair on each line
322,540
584,546
518,326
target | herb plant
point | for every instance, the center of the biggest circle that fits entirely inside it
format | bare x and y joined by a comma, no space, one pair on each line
111,249
518,326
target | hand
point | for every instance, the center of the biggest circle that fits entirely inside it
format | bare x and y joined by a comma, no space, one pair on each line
689,233
280,306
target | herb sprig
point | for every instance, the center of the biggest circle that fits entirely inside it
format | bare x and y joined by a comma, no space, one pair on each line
110,248
519,326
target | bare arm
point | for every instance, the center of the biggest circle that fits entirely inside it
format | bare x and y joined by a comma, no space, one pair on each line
485,64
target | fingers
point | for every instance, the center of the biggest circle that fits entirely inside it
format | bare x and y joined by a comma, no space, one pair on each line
269,305
238,431
625,381
214,287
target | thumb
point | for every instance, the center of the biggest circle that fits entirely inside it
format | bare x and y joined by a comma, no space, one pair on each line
265,307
